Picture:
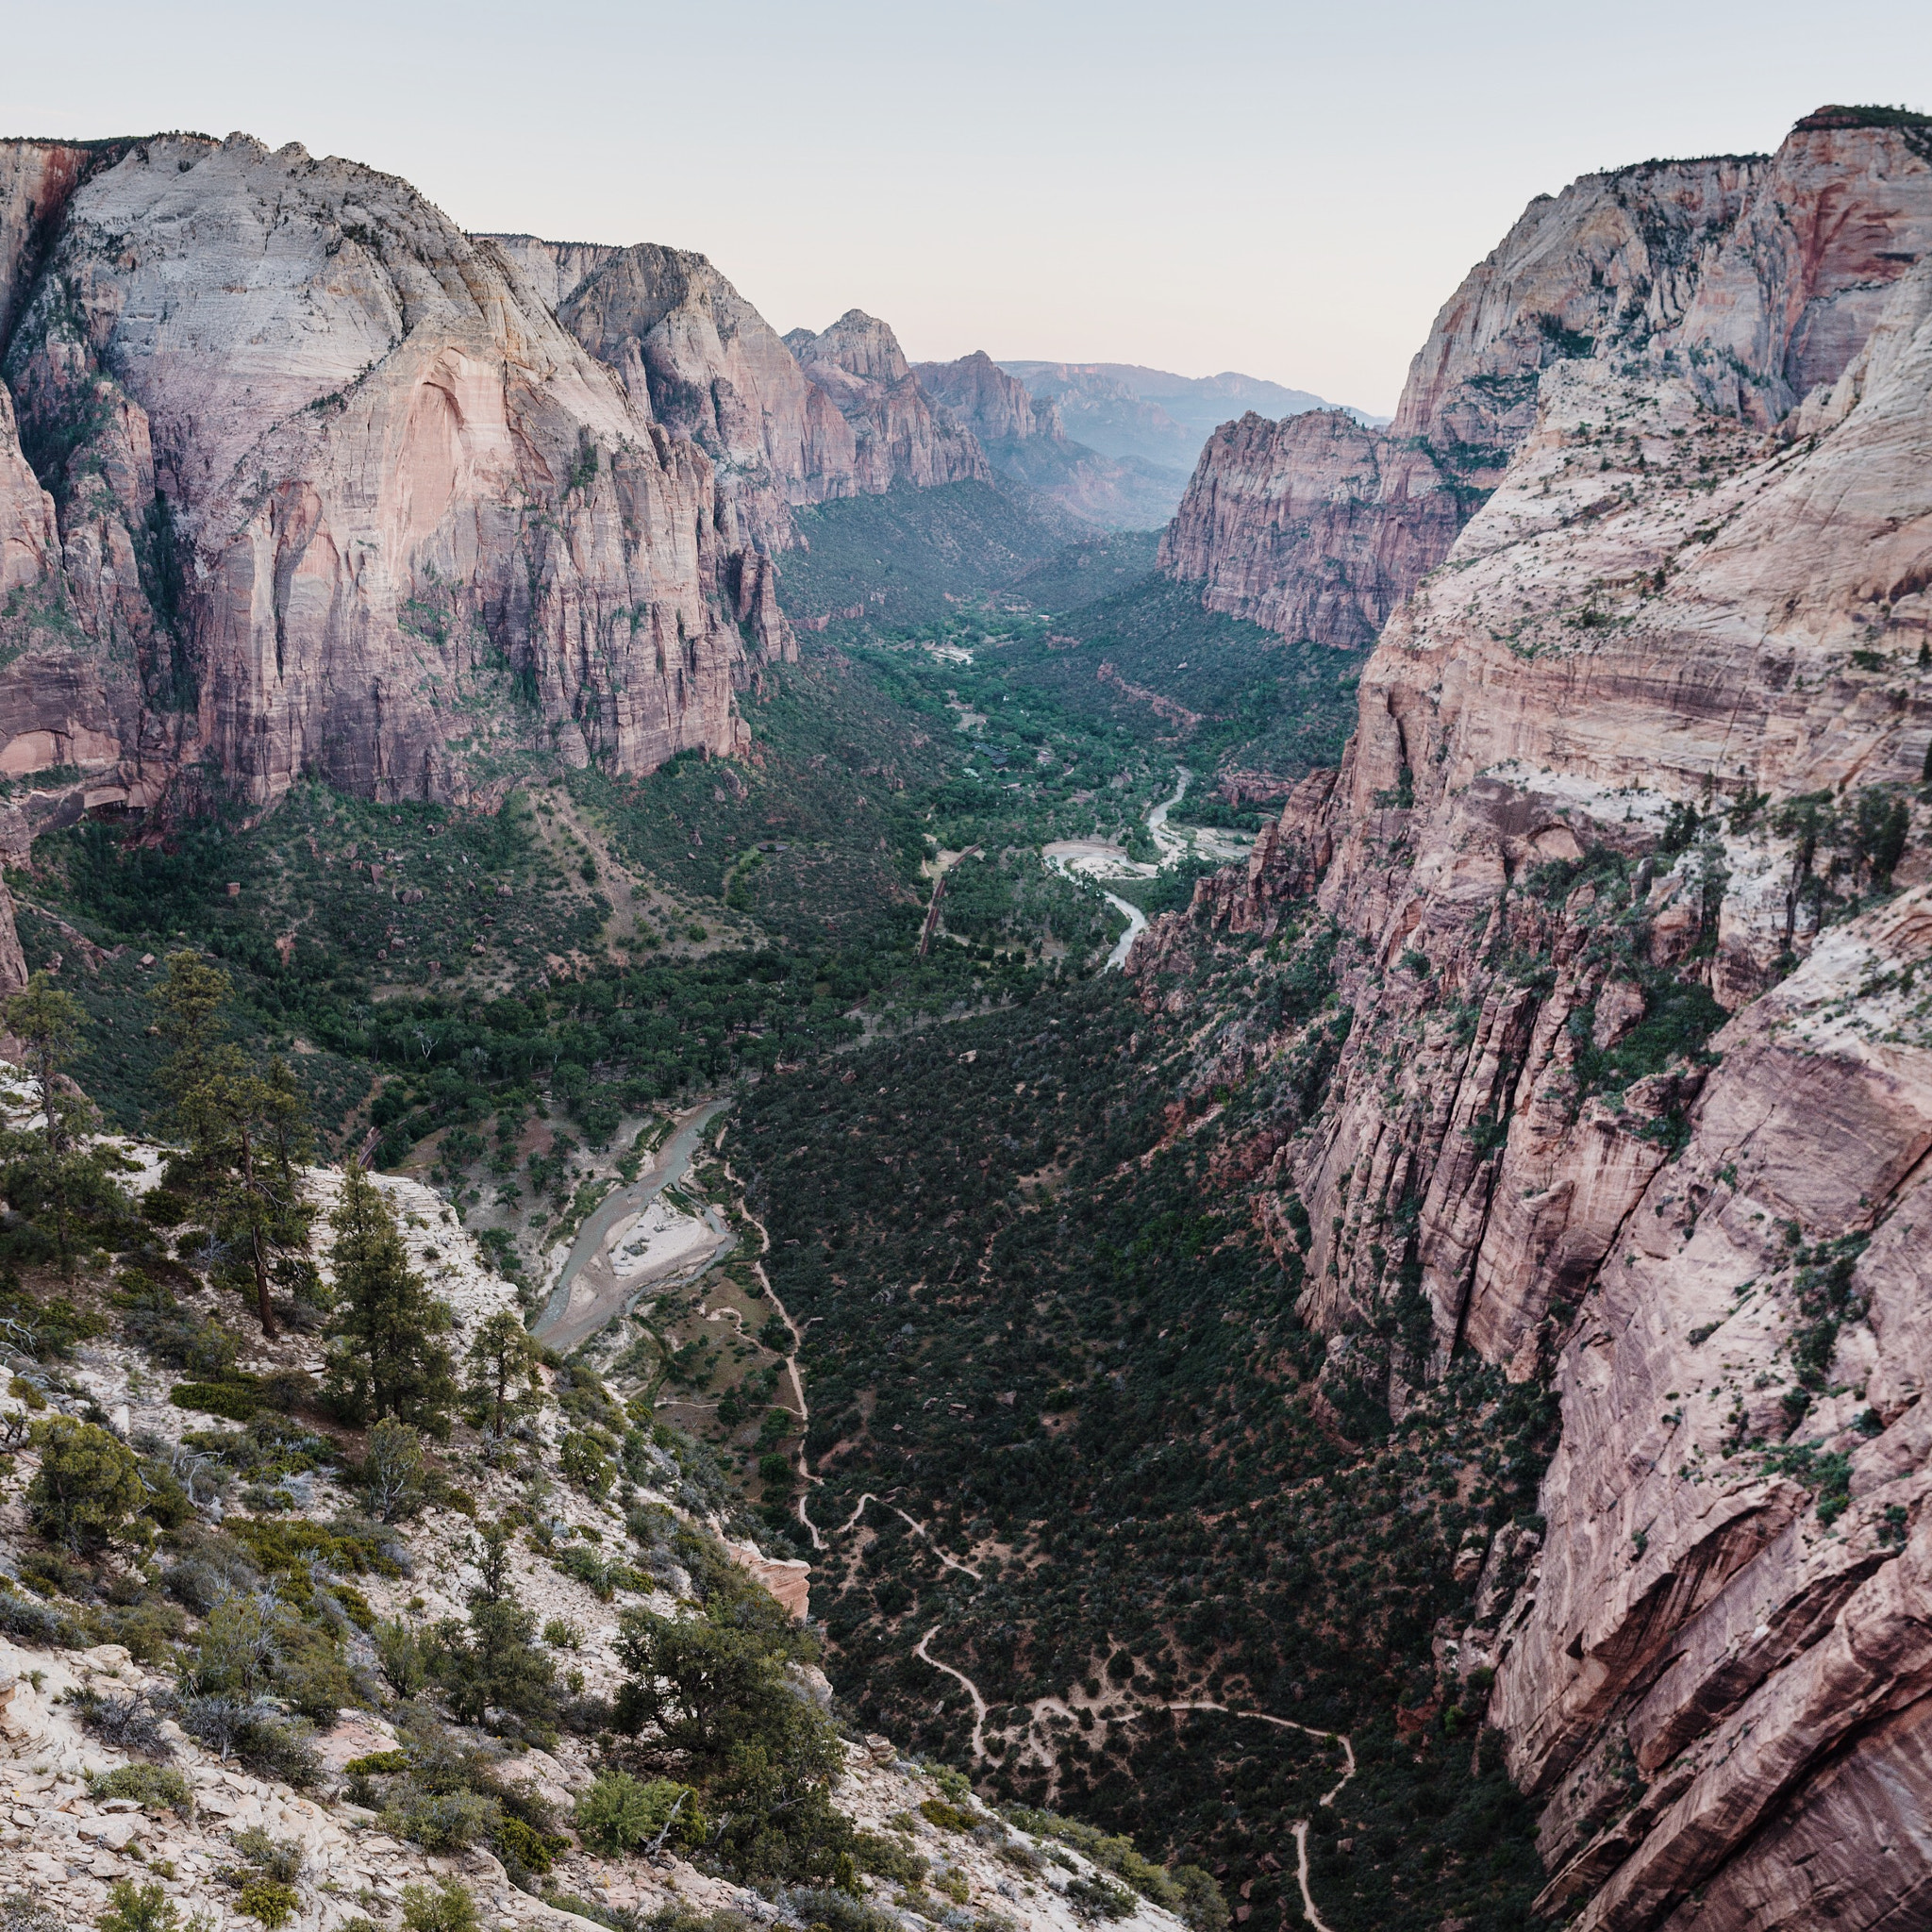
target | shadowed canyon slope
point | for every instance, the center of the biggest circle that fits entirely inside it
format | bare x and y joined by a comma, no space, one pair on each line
327,478
1626,862
296,479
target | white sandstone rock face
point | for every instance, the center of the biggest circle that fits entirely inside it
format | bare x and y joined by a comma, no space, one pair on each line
1756,277
694,354
398,484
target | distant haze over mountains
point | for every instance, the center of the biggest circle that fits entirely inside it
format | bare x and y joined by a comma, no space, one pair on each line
1124,409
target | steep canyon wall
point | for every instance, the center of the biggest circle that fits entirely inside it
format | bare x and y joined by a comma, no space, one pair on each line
1627,868
1754,277
296,479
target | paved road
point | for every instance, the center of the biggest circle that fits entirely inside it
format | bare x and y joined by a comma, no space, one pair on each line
1090,859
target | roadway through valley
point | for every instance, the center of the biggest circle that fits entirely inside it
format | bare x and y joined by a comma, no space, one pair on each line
591,1292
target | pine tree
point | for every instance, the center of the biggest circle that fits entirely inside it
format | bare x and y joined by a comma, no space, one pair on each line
247,1135
503,1373
258,1209
384,1359
50,1173
494,1664
48,1021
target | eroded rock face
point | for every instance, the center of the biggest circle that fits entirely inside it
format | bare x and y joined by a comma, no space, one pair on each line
37,179
1630,1099
338,472
29,537
995,406
1752,278
1313,526
900,436
1727,1604
1024,439
695,356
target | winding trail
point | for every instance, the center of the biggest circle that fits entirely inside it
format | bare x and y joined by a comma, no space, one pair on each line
1043,1705
797,1334
920,1530
925,1655
1301,1825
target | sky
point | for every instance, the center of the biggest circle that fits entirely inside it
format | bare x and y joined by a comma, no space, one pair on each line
1289,191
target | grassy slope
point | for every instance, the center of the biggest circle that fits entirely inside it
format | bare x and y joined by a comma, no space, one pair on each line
912,555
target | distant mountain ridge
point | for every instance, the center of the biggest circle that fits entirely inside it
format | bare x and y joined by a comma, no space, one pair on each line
1026,442
1128,410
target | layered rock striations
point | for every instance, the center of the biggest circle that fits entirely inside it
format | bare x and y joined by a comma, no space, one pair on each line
699,359
1313,526
858,366
1627,866
336,494
785,421
1751,277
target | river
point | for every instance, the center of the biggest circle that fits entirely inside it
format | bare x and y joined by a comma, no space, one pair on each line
567,1319
1093,859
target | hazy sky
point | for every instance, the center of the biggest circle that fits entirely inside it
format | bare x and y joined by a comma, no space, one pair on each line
1287,189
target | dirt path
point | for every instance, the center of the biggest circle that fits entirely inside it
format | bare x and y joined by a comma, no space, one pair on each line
1044,1707
1301,1825
918,1529
797,1334
925,1655
922,1650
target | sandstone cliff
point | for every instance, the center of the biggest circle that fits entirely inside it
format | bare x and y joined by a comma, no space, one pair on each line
994,404
1314,526
695,356
844,415
328,480
1751,277
857,364
1647,752
1024,439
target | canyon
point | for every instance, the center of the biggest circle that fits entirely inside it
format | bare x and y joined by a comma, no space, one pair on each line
1025,441
1756,276
1462,1281
298,480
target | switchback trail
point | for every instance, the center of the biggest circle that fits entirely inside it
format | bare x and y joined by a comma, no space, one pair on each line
1301,1825
918,1529
925,1655
797,1334
1041,1705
